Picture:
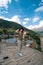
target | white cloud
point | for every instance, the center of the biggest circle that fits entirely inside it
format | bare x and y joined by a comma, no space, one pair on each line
32,27
41,23
24,23
14,19
41,0
38,27
4,3
35,19
17,19
40,9
1,17
26,19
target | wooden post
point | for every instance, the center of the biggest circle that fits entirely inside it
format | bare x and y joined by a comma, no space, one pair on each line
34,44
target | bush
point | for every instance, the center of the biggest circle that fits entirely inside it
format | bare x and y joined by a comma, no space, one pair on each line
1,32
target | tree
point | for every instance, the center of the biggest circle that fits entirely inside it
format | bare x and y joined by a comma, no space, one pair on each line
5,31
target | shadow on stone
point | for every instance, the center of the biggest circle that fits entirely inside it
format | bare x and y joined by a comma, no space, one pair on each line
5,57
29,61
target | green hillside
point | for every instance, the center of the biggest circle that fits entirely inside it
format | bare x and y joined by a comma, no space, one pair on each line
8,24
4,24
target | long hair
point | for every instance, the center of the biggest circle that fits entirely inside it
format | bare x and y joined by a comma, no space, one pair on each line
20,29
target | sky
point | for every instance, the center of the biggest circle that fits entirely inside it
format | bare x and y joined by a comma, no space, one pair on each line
28,13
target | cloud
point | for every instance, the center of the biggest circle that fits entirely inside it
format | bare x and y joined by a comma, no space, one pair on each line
4,3
38,27
15,18
41,0
35,19
26,19
32,27
40,9
41,23
1,17
24,23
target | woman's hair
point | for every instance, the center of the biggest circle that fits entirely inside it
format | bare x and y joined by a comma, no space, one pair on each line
22,29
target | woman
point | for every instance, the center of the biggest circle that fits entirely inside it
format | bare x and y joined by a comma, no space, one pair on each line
20,40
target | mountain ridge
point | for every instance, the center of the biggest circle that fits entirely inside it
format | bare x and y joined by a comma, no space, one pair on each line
11,24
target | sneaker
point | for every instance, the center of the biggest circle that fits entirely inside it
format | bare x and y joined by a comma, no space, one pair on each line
20,54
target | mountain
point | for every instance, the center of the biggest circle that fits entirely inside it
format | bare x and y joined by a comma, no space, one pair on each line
41,32
39,29
4,24
9,24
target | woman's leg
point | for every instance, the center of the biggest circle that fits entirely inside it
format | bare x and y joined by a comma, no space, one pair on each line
19,47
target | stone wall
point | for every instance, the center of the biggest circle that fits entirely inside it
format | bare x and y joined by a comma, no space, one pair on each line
41,38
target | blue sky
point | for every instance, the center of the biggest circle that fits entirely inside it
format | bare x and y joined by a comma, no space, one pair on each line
28,13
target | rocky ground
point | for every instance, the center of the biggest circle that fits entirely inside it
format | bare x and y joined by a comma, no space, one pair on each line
30,55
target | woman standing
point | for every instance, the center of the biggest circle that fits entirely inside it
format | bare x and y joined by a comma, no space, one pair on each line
20,40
